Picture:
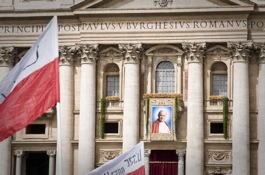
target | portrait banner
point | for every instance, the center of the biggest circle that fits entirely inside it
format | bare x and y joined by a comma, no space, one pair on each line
162,120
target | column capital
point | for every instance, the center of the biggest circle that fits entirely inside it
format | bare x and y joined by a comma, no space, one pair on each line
147,152
132,52
67,54
7,56
19,153
194,51
240,51
181,152
51,153
87,53
260,48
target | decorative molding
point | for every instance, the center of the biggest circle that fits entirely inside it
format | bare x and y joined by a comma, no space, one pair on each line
19,153
107,155
220,170
240,51
181,152
163,3
147,153
132,52
87,53
218,52
51,153
260,48
7,56
111,53
194,51
67,54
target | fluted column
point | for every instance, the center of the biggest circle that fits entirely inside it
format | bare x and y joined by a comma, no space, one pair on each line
261,109
195,145
240,123
149,74
87,118
66,104
147,161
51,154
132,56
6,62
181,167
19,155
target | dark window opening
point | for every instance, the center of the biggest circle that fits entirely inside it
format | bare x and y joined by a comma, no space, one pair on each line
112,128
36,129
217,128
37,163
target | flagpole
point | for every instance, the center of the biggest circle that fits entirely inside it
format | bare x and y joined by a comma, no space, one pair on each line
59,142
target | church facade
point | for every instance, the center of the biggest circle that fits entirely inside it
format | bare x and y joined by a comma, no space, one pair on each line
195,69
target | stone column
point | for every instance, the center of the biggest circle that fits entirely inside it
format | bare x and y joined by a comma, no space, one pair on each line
179,72
261,109
149,74
195,143
87,118
6,62
181,168
66,103
240,124
147,161
51,154
132,56
19,155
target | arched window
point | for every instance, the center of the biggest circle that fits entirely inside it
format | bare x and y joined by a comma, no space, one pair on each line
112,80
165,77
219,79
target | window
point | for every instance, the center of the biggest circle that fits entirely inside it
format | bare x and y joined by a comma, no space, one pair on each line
36,129
219,79
112,85
165,77
112,80
112,128
216,128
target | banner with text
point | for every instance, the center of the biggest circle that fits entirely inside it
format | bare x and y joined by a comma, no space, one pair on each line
128,163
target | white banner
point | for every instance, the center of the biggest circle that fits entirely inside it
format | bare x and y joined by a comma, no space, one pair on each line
128,163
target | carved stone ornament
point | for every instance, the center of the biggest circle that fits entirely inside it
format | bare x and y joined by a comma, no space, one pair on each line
194,51
163,3
220,171
260,48
107,155
219,157
132,52
111,53
7,56
218,52
67,54
51,153
19,153
240,50
87,53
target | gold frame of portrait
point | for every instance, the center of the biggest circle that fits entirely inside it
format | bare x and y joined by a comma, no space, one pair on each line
162,103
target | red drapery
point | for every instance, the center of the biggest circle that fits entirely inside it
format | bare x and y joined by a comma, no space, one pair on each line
163,162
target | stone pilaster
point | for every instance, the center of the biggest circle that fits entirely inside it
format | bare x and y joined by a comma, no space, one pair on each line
181,163
64,159
195,145
240,124
132,56
147,161
6,63
87,118
260,47
51,154
19,155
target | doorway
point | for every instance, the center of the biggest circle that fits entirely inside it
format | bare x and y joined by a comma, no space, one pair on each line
163,162
37,163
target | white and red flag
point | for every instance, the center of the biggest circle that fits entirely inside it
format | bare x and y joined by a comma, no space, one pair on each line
128,163
32,86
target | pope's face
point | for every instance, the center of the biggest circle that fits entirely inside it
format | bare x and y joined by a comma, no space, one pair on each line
162,116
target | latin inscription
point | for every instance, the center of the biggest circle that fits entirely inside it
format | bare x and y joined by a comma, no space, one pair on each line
138,26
